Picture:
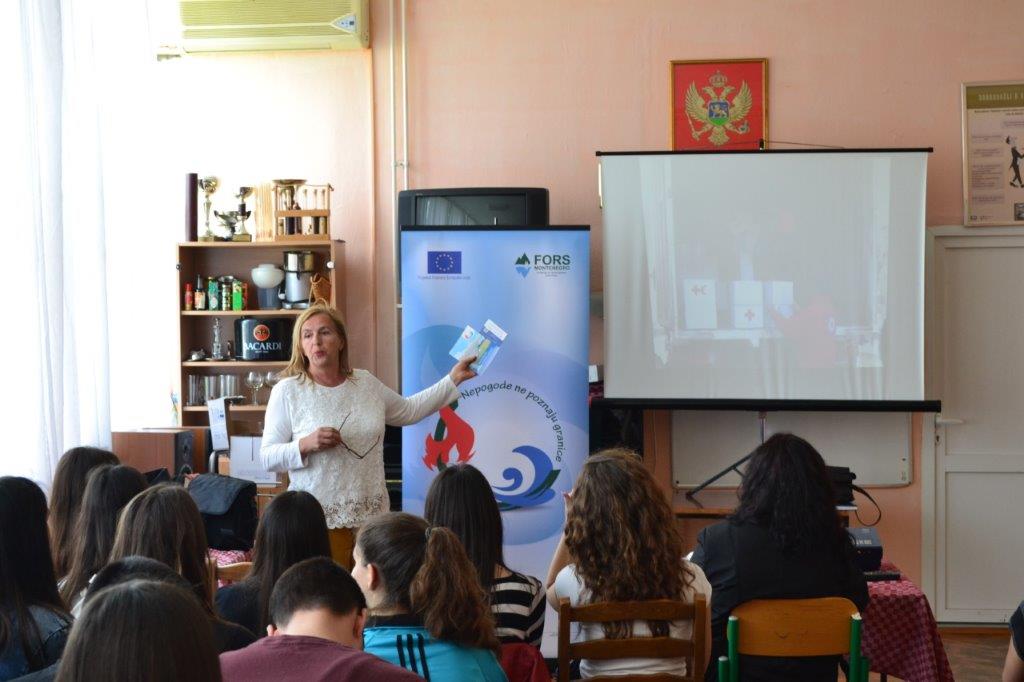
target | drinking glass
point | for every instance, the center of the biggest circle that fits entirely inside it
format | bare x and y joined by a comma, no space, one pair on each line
254,380
272,378
196,394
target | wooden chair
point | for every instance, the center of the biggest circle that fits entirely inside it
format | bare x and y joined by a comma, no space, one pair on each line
635,647
230,572
826,626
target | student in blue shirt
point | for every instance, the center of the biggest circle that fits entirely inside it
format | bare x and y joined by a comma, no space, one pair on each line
429,613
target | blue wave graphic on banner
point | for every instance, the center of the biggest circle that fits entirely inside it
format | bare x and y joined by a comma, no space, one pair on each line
544,477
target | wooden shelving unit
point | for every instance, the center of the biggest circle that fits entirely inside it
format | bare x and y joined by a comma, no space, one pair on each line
260,409
235,364
240,313
196,326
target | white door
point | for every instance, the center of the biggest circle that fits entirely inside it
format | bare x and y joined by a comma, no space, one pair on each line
976,366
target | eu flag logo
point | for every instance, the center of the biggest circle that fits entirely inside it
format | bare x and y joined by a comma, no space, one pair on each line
444,262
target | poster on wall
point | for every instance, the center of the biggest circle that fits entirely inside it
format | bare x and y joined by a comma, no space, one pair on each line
993,148
524,421
719,104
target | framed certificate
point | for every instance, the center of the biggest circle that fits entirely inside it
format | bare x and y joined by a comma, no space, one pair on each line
993,153
719,104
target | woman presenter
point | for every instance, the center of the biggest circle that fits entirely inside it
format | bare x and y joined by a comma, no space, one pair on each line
325,425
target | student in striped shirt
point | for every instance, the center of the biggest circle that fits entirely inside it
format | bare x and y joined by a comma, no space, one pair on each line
461,499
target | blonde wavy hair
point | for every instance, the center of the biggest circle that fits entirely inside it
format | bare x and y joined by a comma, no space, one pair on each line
298,366
621,535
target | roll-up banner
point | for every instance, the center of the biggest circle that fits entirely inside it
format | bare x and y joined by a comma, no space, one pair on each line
523,422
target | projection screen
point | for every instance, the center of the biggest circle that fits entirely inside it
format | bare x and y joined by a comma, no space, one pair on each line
764,275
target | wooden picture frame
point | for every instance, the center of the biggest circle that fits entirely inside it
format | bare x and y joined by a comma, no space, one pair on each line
719,104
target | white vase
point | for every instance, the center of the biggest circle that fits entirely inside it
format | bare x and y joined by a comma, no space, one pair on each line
267,276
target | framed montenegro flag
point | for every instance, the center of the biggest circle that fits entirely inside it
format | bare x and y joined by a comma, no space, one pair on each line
719,104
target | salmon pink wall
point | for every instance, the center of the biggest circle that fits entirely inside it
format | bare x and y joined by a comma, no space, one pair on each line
524,93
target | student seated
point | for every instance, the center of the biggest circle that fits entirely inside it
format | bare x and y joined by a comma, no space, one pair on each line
141,630
429,613
316,632
163,523
66,498
785,541
620,544
292,528
34,623
137,568
461,499
1013,668
108,489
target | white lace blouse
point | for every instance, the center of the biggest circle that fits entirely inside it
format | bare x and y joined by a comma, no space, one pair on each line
348,483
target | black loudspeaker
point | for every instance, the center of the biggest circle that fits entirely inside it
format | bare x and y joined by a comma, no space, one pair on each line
150,449
867,548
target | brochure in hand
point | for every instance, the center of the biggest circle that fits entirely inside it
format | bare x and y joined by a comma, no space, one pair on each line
484,345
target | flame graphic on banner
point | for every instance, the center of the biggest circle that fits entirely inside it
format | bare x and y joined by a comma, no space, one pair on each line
452,431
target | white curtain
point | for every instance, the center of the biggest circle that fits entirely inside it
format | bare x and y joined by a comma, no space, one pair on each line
57,388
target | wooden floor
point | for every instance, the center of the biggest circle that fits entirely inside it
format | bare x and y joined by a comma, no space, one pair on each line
973,657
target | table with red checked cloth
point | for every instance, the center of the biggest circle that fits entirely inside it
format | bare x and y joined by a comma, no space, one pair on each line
223,557
900,634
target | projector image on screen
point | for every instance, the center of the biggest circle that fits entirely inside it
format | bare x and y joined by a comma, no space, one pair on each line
764,275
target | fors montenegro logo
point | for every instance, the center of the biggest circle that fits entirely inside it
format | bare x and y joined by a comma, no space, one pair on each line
523,265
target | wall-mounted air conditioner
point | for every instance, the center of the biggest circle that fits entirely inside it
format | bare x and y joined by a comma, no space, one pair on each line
256,25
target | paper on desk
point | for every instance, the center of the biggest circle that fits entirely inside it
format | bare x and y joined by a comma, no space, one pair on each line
246,462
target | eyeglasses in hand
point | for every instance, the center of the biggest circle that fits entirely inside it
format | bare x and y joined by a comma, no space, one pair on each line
350,450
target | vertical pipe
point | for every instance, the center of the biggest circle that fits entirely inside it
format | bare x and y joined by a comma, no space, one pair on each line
395,265
405,105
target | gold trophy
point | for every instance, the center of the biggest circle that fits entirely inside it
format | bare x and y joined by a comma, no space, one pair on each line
241,235
209,185
229,225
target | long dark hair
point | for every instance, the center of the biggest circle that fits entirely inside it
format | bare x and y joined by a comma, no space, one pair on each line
461,500
108,490
134,568
163,523
292,528
786,490
26,566
66,498
619,527
141,630
426,572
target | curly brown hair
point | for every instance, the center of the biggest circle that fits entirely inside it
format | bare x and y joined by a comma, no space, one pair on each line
621,536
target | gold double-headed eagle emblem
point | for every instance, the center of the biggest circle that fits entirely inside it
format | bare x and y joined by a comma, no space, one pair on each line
718,113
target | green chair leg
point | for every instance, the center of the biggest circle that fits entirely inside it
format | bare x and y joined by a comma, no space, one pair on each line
732,634
856,664
723,669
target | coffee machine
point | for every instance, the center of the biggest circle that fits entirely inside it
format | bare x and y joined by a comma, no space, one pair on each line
298,276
